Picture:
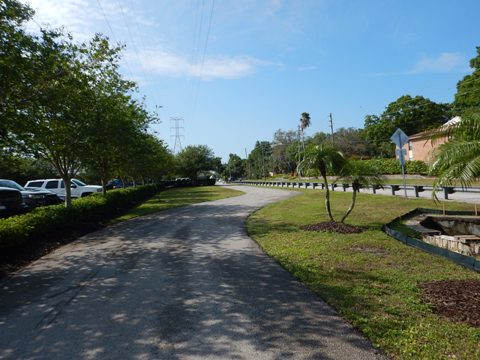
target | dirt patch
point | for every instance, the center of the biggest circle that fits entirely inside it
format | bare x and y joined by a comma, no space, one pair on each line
458,300
333,226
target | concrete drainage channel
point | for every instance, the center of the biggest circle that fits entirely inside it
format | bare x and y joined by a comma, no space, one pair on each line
454,235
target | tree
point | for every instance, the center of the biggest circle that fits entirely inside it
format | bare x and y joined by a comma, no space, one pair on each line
235,167
259,159
351,142
411,114
304,123
193,159
16,66
359,173
459,158
325,158
284,160
468,89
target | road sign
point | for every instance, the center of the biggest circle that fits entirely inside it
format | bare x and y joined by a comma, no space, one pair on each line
399,138
401,153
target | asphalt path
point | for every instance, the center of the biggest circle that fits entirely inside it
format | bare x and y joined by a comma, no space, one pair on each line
186,283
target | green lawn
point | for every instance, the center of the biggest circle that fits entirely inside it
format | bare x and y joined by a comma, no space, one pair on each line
176,197
370,278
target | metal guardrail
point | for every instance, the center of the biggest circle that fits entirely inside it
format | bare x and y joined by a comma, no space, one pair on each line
447,190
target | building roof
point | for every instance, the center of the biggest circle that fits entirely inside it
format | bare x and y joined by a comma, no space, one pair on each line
429,133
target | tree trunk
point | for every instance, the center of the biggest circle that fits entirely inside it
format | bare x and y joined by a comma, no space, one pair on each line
68,191
352,205
104,189
327,197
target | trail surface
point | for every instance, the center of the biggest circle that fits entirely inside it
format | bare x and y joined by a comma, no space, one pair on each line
181,284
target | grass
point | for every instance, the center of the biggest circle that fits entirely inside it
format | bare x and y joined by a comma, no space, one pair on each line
371,279
176,197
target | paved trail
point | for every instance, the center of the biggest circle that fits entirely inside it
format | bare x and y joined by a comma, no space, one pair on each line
182,284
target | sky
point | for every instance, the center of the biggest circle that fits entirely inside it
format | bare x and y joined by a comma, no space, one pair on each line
238,70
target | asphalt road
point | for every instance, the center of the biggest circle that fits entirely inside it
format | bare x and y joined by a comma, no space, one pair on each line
182,284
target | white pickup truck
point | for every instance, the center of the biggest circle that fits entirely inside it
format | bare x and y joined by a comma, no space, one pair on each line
78,188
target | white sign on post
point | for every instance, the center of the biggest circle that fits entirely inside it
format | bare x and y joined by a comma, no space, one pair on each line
399,138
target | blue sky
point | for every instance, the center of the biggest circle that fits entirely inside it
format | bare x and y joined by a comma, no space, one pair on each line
238,70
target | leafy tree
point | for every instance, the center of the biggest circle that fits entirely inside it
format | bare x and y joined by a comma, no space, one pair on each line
193,159
235,167
412,115
17,68
259,159
325,158
359,173
284,154
459,158
468,89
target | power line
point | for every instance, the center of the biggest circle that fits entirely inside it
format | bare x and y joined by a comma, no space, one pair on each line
113,35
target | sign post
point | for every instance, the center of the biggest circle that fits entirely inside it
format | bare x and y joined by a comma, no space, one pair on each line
399,138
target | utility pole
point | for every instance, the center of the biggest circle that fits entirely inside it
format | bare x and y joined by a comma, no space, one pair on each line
331,128
179,128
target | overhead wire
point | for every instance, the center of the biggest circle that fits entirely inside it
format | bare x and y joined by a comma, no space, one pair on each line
202,63
113,36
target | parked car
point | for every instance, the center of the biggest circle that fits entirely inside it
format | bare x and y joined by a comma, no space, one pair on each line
33,197
78,188
114,184
11,202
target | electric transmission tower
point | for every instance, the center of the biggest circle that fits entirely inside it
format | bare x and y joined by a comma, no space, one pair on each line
178,128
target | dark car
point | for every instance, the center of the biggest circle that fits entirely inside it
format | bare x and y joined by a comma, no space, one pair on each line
11,202
114,184
33,197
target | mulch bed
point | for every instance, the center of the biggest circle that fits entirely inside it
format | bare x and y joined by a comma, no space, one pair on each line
333,226
458,300
14,259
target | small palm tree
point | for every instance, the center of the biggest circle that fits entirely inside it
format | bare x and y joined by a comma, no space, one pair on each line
325,158
459,158
359,174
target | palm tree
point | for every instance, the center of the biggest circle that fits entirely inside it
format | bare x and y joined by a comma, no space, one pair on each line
304,121
325,158
359,174
459,158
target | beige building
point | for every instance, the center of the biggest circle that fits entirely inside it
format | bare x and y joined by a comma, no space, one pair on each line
420,146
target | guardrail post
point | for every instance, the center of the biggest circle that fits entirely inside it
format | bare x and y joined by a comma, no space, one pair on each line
418,189
447,190
395,188
345,187
334,186
306,185
314,185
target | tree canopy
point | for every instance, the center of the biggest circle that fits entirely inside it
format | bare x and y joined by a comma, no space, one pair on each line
468,89
411,114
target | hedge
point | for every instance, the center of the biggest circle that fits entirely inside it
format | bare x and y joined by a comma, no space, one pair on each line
57,220
392,166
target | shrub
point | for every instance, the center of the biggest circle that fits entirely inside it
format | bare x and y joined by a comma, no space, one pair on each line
56,220
392,166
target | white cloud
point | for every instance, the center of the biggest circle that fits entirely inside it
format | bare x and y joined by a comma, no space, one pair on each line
167,63
445,62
